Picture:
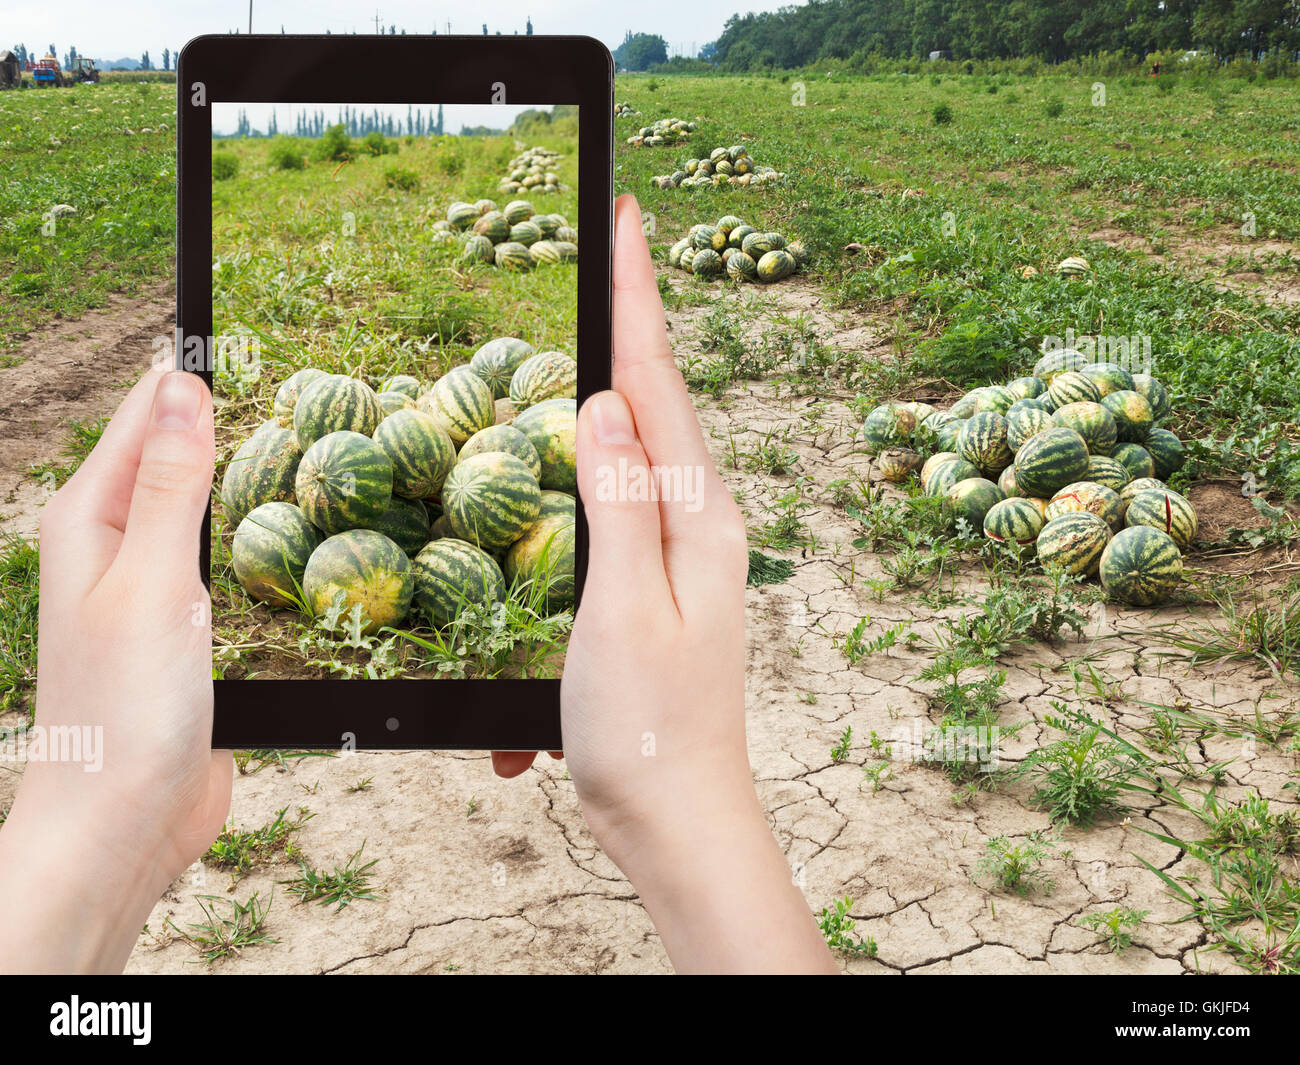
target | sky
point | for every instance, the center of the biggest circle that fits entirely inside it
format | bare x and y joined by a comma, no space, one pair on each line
225,116
127,28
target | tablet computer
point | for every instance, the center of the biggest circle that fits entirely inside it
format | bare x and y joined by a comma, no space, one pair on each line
394,275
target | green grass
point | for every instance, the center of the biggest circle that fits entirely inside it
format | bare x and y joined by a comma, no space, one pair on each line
345,884
19,587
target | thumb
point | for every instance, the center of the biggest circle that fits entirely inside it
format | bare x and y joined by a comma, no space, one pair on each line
614,479
172,483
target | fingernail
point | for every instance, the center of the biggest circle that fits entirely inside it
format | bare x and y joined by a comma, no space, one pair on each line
611,420
178,399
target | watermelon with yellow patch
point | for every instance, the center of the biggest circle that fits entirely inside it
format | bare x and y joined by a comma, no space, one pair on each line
1133,416
543,559
546,375
366,569
262,470
898,464
1014,522
1092,421
1074,542
270,552
504,438
1089,497
888,425
452,575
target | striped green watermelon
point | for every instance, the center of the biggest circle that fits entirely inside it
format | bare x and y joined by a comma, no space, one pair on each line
756,245
728,222
261,471
344,481
707,263
1104,470
405,522
286,396
1024,423
1133,415
1090,498
511,255
1007,483
392,402
546,375
420,451
526,233
478,249
1108,377
1073,266
888,425
1154,393
544,251
567,249
934,462
1027,387
983,442
776,265
1167,511
1072,387
404,383
1166,452
368,569
740,267
462,215
1050,460
946,437
552,427
677,250
548,224
496,362
543,555
1016,522
1058,361
493,226
335,403
736,238
1092,421
1138,484
518,211
1141,566
484,206
462,402
490,499
557,503
504,438
452,574
995,398
1136,459
708,238
1074,542
922,412
270,551
926,435
949,473
966,406
972,499
799,252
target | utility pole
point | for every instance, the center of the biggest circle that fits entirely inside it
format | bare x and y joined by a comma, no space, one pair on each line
376,20
250,16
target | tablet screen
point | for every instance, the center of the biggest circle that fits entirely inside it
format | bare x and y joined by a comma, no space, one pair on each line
394,306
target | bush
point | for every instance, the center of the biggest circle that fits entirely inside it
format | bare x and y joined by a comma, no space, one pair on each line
402,180
286,154
335,146
1053,108
942,115
224,166
375,143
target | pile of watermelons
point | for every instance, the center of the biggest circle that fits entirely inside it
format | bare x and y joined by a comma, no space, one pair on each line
624,110
412,497
665,131
513,237
738,250
1068,464
724,166
533,171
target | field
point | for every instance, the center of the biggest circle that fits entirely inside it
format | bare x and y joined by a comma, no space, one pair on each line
1141,816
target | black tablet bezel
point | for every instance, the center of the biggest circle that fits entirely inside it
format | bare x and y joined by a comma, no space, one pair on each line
361,714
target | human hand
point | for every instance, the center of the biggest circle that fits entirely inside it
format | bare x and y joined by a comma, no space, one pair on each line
653,693
125,654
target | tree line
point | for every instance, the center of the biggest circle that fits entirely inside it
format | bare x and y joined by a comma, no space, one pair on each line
1055,30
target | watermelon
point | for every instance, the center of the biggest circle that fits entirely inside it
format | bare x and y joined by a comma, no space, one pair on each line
983,443
889,425
1027,387
490,499
1154,393
798,252
547,224
740,267
286,396
484,206
526,233
1090,498
736,238
567,249
677,250
1136,459
1141,566
1050,460
1167,511
1074,542
728,222
995,398
518,210
451,574
1104,470
707,263
1024,423
551,427
504,412
544,251
922,412
404,383
1139,484
1072,387
1166,452
462,215
897,464
344,481
1014,521
270,551
392,402
511,255
1074,266
934,462
1058,361
493,227
502,438
261,471
335,403
1092,421
478,249
1007,483
420,451
1108,377
972,499
926,434
496,362
544,556
946,437
756,245
405,522
708,238
547,375
556,503
1133,415
462,402
368,569
776,265
948,474
966,406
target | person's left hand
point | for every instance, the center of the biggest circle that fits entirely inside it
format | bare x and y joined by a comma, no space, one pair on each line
125,660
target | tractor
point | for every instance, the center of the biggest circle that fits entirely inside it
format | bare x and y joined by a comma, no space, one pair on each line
83,70
11,71
47,73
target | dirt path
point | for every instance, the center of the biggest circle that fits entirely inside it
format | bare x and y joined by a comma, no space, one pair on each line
77,370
